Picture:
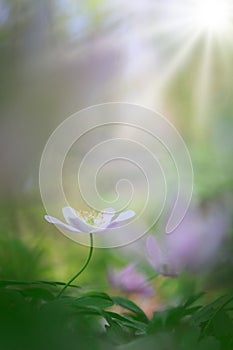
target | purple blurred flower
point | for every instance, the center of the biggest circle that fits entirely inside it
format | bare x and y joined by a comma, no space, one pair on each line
90,222
158,259
130,281
193,245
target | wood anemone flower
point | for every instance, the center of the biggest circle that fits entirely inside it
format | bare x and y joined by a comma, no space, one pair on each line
90,222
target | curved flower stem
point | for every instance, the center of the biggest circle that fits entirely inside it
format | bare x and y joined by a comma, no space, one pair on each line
80,271
151,278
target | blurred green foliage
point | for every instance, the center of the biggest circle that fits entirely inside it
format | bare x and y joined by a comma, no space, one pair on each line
33,317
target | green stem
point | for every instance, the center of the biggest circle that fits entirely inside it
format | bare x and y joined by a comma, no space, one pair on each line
151,278
80,271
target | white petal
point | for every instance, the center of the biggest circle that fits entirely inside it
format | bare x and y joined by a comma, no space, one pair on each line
99,230
125,215
109,211
71,217
107,224
69,212
61,224
113,224
81,225
108,214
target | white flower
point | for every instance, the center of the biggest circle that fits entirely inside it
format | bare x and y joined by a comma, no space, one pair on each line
90,222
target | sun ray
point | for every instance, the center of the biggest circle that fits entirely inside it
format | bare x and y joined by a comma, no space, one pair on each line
181,34
203,86
211,21
177,63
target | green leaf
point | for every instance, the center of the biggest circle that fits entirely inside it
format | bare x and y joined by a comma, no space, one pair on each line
11,298
208,312
162,341
193,298
209,343
130,305
7,283
222,325
38,293
157,322
127,321
14,309
174,315
115,332
169,318
94,299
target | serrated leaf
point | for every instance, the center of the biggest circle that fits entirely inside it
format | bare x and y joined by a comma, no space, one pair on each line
131,306
93,299
128,321
207,312
115,332
169,318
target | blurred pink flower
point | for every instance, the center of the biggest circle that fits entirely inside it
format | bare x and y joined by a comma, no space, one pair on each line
130,281
90,222
158,259
193,245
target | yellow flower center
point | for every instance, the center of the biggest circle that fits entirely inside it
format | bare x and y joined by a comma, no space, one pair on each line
92,218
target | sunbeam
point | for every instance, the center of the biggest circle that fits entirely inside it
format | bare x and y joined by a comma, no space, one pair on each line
182,30
203,85
179,60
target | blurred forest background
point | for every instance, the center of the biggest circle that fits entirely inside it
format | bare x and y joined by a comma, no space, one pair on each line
59,56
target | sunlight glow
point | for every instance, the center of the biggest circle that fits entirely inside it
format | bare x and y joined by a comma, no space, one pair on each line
198,33
212,15
192,38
